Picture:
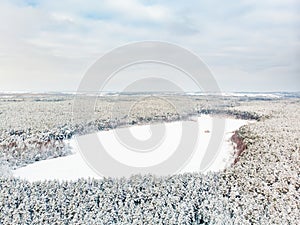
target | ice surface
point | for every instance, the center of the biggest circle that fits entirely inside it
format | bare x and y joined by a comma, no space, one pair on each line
73,167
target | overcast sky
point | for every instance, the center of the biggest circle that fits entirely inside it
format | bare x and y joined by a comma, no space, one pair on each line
250,45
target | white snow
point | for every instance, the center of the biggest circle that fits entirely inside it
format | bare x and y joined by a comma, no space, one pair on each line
142,133
73,167
240,94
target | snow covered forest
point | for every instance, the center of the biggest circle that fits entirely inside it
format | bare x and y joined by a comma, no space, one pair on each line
262,187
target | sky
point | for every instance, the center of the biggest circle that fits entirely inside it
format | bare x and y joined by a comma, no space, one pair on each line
249,45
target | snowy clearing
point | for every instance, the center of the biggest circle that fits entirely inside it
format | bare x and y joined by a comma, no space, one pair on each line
73,167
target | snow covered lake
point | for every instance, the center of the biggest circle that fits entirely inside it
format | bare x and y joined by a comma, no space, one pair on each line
73,167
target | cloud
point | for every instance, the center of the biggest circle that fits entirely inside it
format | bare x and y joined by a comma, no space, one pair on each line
46,42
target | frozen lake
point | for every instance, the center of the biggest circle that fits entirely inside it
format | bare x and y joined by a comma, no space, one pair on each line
73,167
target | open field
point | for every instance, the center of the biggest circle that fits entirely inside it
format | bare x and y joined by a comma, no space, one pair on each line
262,187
